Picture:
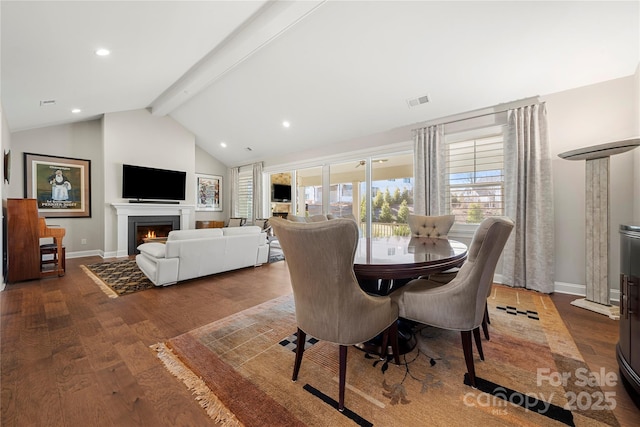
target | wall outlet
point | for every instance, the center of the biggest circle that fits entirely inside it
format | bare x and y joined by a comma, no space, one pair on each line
83,241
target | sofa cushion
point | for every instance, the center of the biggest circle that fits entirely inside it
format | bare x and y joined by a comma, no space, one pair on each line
156,250
200,233
237,231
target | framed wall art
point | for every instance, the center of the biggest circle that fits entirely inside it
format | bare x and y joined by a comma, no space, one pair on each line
208,192
60,185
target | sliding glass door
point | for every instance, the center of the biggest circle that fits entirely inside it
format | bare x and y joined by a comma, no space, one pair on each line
309,191
391,194
341,189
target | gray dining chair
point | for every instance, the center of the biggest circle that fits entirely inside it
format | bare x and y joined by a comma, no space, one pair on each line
460,304
329,303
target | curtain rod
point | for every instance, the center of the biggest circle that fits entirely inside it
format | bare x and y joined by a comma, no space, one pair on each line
248,164
483,112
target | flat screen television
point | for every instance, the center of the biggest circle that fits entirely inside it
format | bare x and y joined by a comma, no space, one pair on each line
280,193
142,183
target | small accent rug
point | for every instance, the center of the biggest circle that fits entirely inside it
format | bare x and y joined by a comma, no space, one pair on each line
118,277
275,251
239,370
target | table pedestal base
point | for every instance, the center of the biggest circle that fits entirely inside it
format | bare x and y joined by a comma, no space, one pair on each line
406,340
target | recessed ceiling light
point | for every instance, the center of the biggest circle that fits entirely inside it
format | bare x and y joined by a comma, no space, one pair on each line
286,124
76,111
223,144
102,52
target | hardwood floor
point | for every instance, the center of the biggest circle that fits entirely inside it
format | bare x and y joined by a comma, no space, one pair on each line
71,356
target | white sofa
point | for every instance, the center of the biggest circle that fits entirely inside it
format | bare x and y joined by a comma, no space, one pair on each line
194,253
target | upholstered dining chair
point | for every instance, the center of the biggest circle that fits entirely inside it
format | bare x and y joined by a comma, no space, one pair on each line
435,227
236,222
460,304
264,225
329,303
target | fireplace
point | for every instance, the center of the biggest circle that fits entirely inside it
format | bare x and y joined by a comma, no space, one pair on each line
150,228
126,210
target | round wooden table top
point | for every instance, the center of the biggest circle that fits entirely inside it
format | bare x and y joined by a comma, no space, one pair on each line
407,257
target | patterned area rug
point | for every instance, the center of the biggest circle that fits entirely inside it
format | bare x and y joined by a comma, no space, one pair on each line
118,277
239,369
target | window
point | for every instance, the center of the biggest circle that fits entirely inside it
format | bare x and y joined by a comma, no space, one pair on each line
345,179
475,171
245,195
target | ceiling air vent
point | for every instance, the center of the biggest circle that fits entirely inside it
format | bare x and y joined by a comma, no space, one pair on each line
48,103
414,102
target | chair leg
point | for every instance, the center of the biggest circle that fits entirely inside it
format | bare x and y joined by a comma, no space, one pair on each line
343,376
384,345
485,322
393,336
390,334
302,337
476,337
468,356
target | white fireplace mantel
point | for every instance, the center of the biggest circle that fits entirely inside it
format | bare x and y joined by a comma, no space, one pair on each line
125,210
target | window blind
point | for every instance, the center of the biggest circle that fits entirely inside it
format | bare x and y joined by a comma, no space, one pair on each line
475,171
245,196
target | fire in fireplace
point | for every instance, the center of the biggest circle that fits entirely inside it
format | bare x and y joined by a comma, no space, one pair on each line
152,233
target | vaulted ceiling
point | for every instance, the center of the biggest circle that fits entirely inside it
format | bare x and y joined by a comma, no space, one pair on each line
233,71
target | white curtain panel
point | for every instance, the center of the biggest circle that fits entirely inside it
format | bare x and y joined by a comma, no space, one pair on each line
429,192
529,254
258,210
235,183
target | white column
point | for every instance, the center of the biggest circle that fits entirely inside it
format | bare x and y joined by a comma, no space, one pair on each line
597,230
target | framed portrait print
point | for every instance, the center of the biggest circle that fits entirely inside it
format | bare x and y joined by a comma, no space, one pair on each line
208,192
60,185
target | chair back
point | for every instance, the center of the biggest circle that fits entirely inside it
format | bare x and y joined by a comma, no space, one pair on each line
430,226
476,274
236,222
329,303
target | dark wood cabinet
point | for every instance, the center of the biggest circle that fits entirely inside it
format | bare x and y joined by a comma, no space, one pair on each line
23,240
628,348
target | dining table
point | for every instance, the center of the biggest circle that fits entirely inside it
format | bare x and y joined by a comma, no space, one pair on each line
384,264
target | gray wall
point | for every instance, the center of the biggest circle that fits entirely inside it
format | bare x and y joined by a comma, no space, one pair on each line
82,140
133,137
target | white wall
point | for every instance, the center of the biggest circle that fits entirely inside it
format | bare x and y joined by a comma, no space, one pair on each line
82,140
136,137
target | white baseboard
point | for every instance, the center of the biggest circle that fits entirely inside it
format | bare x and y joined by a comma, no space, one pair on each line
570,288
581,290
113,254
82,254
